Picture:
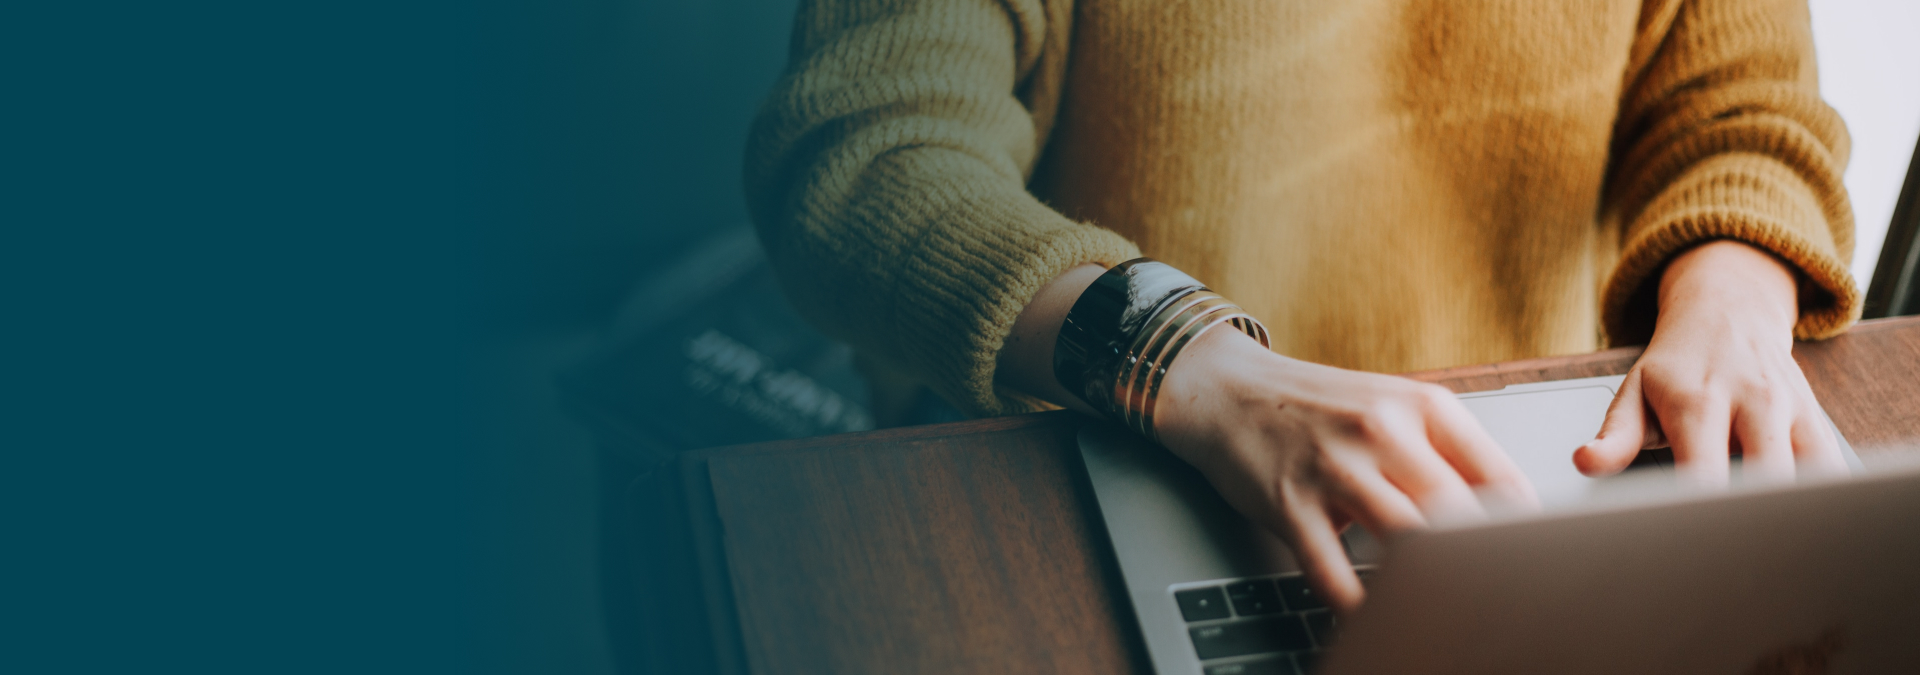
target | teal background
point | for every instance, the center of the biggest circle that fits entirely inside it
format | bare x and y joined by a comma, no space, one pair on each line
281,286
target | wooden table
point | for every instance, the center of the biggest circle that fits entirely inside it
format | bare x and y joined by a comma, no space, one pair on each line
974,547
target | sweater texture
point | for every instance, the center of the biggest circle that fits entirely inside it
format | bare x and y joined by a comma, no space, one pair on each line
1389,185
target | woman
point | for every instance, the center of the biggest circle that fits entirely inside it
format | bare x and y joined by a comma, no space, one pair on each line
1385,185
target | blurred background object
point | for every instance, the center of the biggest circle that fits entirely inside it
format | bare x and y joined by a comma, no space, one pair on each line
1895,286
629,311
628,121
1870,72
632,315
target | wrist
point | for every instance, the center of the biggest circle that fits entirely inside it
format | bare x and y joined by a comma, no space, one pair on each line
1025,362
1128,327
1729,279
1219,366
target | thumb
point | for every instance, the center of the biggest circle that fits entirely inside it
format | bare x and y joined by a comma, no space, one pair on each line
1622,434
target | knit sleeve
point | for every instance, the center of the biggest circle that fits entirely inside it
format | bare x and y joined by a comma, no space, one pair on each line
1722,135
887,176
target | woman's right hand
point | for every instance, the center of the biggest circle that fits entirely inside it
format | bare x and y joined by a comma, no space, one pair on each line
1304,449
1299,448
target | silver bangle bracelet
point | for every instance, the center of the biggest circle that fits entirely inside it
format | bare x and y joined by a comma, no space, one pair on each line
1125,332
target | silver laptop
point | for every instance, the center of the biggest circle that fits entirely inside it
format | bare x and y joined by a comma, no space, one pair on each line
1615,575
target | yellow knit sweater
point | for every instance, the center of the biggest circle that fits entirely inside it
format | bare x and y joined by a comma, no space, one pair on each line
1389,185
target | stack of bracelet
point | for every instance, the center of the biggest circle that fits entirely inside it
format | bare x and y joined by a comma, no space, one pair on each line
1128,327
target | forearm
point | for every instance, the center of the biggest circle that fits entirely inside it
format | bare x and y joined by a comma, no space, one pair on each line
887,176
1722,135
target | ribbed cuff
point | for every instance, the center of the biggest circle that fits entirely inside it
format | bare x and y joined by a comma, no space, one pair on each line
1749,198
965,285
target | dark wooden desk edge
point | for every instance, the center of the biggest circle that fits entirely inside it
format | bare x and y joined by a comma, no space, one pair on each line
1461,379
694,492
1483,377
1615,361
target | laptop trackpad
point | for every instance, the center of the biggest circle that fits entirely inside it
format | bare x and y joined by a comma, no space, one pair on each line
1541,429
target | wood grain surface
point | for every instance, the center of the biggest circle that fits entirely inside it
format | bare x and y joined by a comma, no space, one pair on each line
956,553
975,547
1869,382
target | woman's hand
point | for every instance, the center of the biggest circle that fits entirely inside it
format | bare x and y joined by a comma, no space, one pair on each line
1719,377
1303,449
1300,449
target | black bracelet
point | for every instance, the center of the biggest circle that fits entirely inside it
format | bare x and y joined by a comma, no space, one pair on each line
1126,328
1097,336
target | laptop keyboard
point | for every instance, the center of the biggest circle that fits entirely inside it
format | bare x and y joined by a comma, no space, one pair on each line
1261,626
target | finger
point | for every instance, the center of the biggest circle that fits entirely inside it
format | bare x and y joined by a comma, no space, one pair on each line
1622,435
1699,426
1473,453
1413,466
1372,500
1766,443
1814,444
1340,519
1321,556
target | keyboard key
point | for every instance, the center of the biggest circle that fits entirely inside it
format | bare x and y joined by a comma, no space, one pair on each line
1305,661
1249,586
1202,604
1322,626
1253,598
1279,666
1299,596
1275,634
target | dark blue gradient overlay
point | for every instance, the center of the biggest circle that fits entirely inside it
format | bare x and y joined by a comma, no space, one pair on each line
247,251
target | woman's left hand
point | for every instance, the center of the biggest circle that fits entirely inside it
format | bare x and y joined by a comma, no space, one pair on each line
1718,377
